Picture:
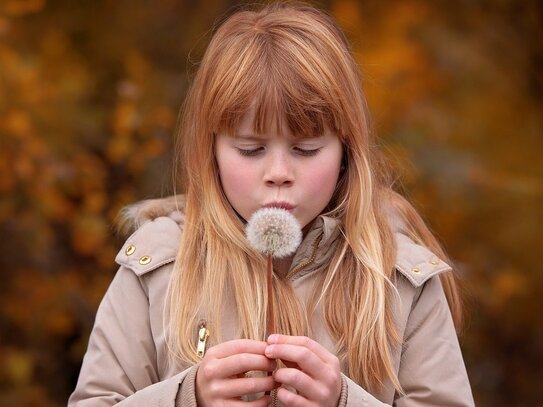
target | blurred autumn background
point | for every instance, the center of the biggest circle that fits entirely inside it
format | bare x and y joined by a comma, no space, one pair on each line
89,97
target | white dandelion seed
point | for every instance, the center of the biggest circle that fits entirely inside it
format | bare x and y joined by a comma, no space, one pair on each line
274,231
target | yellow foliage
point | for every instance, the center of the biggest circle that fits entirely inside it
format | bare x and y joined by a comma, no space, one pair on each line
89,235
508,284
21,7
349,14
17,366
18,123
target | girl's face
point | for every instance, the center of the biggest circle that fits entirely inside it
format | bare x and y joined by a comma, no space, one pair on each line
263,170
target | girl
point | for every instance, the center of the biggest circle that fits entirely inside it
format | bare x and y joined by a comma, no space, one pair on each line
366,309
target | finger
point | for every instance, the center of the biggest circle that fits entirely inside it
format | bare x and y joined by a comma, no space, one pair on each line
234,365
300,381
264,401
235,346
246,386
304,341
305,358
291,399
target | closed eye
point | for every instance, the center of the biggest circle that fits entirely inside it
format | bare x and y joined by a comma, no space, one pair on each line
249,152
307,152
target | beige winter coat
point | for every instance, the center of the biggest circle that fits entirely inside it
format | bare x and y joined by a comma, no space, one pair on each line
127,358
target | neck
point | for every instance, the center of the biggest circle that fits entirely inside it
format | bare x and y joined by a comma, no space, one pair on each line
282,266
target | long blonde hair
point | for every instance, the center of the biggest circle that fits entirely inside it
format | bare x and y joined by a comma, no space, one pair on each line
293,62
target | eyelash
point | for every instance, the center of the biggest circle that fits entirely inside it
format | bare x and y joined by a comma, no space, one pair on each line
300,151
249,152
308,153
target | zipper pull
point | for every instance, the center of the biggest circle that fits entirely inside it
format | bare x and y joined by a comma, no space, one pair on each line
203,334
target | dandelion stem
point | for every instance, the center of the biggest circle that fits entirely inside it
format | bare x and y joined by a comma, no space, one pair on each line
270,326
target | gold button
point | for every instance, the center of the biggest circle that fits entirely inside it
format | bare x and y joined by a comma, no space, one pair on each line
145,260
434,262
130,249
415,270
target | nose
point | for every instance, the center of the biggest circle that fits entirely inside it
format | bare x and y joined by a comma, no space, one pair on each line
279,170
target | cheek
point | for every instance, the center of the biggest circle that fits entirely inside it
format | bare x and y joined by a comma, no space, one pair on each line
321,181
236,178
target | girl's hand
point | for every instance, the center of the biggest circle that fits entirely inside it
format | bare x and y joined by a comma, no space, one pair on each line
221,381
311,370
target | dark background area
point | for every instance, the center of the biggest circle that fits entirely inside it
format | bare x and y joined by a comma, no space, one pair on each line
89,97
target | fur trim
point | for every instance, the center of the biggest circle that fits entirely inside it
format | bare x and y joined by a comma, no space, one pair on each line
131,217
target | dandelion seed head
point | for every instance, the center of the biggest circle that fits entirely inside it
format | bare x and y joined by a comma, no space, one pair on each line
274,231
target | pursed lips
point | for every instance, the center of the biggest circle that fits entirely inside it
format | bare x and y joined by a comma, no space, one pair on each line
283,205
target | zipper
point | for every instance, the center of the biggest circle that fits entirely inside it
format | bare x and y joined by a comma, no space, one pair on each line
306,263
203,334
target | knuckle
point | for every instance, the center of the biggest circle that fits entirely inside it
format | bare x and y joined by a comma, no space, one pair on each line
244,360
333,372
335,364
287,396
336,377
239,346
296,379
291,399
306,341
330,374
305,353
210,353
329,382
291,377
214,388
209,369
325,393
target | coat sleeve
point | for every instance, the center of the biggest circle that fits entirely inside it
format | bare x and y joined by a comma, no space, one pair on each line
120,364
432,371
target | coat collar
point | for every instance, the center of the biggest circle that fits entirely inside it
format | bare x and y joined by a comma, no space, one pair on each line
416,262
156,242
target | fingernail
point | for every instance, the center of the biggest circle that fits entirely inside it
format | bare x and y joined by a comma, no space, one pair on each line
273,338
269,350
